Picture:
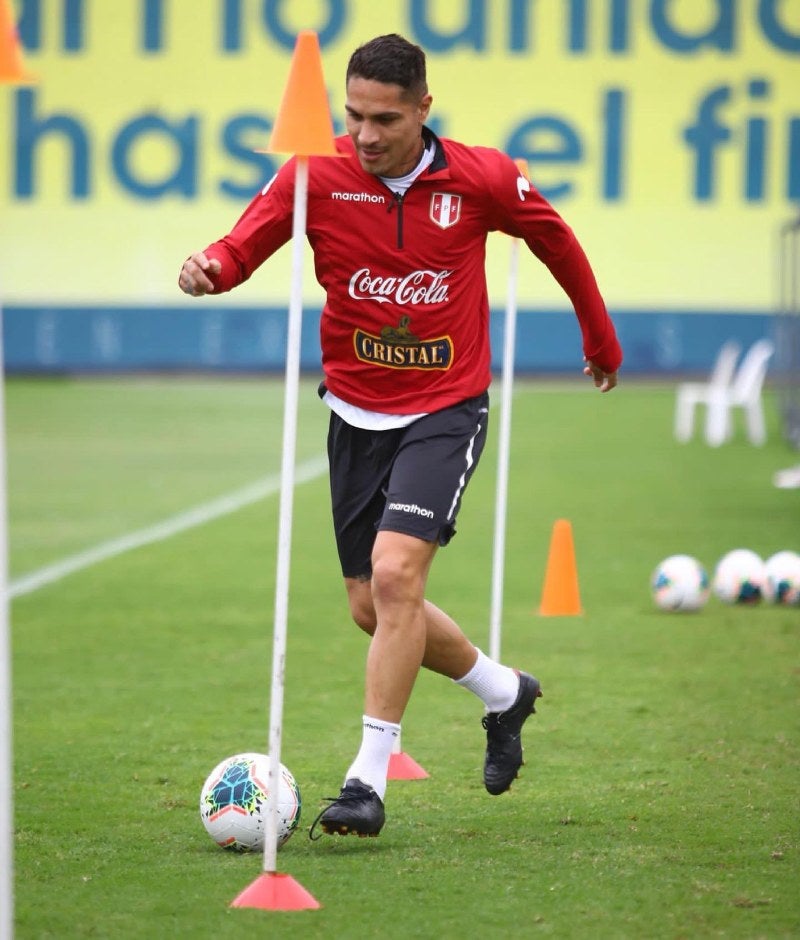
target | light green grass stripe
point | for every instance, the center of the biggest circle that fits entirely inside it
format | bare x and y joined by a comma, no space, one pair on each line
199,515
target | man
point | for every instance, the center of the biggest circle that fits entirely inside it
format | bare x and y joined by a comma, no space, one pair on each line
398,233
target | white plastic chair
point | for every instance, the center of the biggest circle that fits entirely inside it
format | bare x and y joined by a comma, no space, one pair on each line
691,394
722,393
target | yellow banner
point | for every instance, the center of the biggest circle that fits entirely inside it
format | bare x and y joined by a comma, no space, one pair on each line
667,132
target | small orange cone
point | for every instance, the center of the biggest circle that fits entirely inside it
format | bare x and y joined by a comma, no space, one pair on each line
273,891
12,68
303,125
560,595
402,766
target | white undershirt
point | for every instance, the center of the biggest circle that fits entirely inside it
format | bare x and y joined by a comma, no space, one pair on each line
362,417
399,184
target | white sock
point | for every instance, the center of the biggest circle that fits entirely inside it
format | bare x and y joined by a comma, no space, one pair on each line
371,765
496,685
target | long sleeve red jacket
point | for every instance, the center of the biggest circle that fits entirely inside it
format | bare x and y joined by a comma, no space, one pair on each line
405,326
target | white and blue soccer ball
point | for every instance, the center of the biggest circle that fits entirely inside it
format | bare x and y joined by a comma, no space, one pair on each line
740,577
783,578
233,803
680,582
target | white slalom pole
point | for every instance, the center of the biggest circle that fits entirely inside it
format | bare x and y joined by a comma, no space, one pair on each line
12,72
6,702
285,513
504,440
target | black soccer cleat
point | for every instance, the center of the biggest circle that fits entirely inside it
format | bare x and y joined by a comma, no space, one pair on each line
503,737
357,810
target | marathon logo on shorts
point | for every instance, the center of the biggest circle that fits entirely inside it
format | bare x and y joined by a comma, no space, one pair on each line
428,355
412,508
445,209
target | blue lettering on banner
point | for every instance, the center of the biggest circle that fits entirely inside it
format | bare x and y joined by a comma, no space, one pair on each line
529,143
618,25
471,34
237,141
481,18
519,33
773,30
613,143
73,25
30,131
153,26
727,20
181,135
719,34
550,140
746,140
545,140
733,130
327,31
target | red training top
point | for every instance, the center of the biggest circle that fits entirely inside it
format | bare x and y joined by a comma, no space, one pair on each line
405,326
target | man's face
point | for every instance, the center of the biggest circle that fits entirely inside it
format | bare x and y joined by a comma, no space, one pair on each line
385,126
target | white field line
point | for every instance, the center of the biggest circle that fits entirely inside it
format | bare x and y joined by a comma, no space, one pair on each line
199,515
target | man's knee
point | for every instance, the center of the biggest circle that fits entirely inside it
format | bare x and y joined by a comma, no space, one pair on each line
362,610
396,577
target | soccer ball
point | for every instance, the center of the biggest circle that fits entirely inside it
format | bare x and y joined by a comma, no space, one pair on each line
680,582
783,578
739,577
233,803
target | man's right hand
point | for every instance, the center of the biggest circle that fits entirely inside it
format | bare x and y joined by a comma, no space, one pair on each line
194,277
605,381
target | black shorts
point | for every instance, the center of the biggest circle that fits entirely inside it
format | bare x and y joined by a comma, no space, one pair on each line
408,480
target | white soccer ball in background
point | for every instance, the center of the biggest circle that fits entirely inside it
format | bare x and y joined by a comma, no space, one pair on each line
740,577
783,578
679,582
233,803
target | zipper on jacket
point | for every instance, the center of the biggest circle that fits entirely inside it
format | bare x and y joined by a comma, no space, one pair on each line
397,200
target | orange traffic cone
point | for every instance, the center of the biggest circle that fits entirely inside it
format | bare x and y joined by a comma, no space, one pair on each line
560,595
303,125
12,68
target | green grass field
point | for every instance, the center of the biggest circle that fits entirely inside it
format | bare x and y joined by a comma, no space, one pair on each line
660,792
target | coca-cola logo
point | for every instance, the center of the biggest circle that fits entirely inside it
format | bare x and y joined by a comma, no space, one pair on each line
418,287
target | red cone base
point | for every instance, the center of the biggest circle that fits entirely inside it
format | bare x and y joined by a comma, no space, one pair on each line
272,891
403,767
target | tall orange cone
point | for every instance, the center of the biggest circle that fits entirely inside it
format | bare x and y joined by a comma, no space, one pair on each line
12,68
303,125
560,595
304,128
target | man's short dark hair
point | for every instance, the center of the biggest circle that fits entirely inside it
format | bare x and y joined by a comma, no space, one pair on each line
392,60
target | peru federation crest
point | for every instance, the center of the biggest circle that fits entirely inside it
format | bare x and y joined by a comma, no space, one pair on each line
445,209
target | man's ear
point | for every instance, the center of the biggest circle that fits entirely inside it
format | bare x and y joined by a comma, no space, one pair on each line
425,107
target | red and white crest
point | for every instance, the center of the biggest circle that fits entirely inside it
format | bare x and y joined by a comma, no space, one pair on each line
445,209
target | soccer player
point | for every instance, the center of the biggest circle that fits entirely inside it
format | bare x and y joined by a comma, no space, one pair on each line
398,232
